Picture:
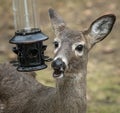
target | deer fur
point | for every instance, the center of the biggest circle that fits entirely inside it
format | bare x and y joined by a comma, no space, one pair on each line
22,93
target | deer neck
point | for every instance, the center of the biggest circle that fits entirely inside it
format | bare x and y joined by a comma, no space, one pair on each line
71,91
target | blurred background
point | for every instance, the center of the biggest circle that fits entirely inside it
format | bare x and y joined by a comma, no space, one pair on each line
103,79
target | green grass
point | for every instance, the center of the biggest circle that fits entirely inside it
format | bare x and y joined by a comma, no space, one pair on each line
99,107
45,77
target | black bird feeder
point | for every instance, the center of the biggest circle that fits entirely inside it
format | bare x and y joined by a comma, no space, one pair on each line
28,37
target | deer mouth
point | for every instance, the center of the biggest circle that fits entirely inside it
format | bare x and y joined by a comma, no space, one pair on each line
59,68
58,73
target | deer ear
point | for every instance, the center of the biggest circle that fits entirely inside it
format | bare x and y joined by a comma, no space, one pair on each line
56,20
100,28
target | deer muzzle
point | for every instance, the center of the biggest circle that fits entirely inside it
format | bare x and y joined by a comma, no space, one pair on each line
59,67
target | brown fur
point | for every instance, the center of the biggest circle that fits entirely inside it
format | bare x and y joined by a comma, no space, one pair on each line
21,93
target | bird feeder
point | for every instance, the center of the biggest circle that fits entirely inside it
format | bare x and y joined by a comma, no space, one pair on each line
28,37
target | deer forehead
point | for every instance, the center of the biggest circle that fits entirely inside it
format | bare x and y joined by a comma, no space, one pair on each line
70,37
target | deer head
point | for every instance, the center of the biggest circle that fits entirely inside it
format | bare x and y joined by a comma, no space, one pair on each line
72,46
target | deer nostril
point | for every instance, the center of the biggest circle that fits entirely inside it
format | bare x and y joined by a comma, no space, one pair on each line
58,64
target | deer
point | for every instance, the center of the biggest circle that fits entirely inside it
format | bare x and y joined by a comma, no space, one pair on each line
22,93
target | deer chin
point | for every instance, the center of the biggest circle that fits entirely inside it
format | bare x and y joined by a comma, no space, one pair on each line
58,74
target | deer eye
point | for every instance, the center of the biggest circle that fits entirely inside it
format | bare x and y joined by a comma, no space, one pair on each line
79,48
56,44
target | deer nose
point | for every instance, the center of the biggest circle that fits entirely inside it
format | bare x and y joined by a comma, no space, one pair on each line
58,64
